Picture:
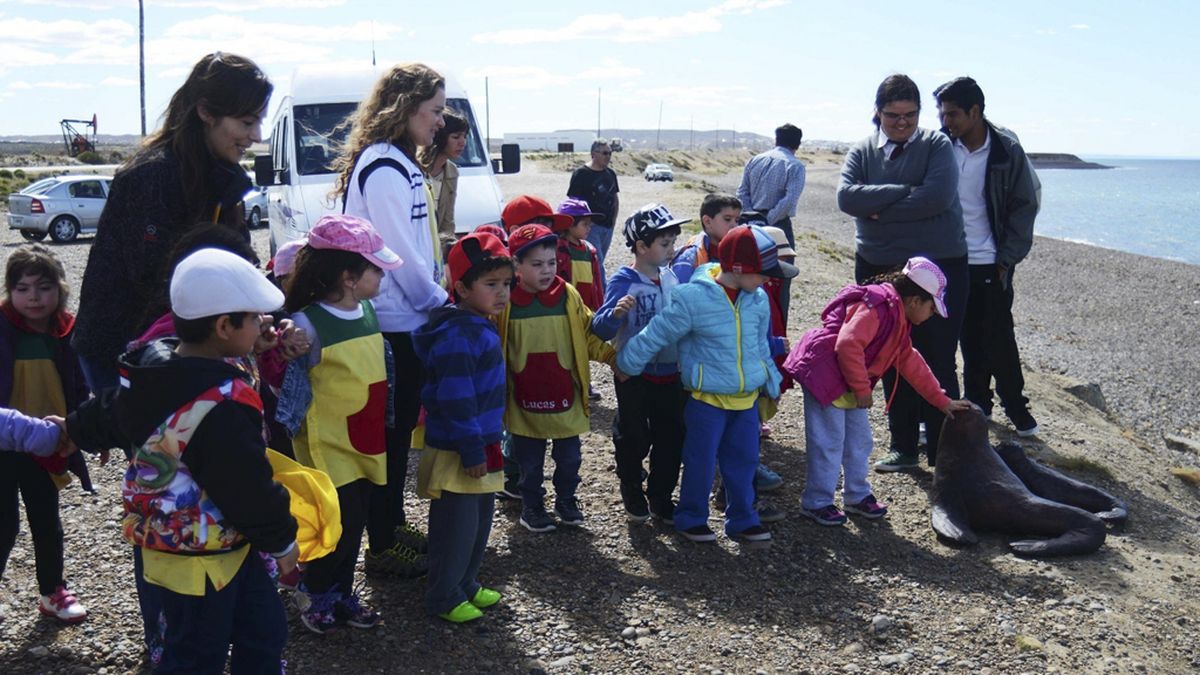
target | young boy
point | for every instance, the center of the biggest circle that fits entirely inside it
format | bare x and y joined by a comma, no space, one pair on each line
718,214
463,397
578,261
649,417
720,321
547,340
198,493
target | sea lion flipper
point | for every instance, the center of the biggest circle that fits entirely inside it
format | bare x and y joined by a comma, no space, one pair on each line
950,520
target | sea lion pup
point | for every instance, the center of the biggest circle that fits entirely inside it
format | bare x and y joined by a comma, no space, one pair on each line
973,489
1058,487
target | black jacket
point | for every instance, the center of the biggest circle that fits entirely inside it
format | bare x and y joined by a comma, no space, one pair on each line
1012,192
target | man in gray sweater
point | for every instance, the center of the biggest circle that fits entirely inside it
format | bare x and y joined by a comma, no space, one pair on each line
901,186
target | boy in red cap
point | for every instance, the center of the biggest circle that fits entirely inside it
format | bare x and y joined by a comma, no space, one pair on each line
547,340
720,321
463,399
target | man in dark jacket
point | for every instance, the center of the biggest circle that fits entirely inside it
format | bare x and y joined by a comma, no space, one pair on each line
1000,195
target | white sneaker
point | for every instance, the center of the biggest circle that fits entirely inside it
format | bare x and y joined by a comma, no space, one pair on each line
62,606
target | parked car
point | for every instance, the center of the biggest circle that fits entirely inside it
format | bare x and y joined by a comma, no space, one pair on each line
254,207
63,207
659,172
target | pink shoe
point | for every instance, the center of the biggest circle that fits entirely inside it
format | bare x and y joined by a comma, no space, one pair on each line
62,606
764,431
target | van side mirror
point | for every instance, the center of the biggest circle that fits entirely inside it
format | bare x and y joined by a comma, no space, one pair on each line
510,159
265,174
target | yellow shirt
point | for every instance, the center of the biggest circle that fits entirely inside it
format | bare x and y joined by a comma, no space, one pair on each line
187,574
543,335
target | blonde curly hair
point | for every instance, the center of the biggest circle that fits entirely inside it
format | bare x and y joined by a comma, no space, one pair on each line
383,116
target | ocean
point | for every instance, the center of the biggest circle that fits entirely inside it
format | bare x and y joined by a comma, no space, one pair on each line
1146,206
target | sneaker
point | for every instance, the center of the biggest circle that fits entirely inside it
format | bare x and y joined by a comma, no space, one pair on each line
867,508
594,395
412,537
62,605
896,461
568,512
511,490
289,581
768,513
663,510
699,533
1025,424
537,520
463,613
829,516
318,615
485,597
764,430
399,560
756,533
350,609
635,503
766,480
922,437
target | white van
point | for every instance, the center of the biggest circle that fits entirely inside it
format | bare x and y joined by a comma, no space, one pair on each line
306,138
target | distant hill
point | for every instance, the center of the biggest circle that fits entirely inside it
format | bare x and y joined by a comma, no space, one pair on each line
1061,160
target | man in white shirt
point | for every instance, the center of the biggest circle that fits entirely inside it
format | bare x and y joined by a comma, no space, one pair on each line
1000,196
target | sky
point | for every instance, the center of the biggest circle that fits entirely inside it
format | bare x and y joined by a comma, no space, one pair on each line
1090,78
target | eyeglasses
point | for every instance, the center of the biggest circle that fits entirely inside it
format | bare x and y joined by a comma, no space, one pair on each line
896,117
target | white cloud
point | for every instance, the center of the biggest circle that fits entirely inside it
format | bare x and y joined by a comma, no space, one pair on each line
533,78
94,5
1080,26
68,86
618,28
65,31
675,96
118,82
228,6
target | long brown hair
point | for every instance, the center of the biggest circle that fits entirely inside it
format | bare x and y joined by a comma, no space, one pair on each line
318,274
382,117
227,85
39,261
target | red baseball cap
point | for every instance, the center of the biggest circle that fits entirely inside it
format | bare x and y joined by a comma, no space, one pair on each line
472,250
527,235
524,208
748,249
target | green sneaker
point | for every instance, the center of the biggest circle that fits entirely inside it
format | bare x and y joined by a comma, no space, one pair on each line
412,537
485,597
399,560
896,461
463,613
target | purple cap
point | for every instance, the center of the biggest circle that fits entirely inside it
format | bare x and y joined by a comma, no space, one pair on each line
348,233
576,208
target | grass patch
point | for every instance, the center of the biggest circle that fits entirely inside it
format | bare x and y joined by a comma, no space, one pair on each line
1075,463
824,246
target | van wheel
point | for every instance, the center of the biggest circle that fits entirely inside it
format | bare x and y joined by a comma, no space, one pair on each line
64,229
33,235
255,220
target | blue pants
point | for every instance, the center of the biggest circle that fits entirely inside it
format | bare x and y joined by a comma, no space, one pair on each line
459,525
725,438
530,454
601,236
836,441
247,615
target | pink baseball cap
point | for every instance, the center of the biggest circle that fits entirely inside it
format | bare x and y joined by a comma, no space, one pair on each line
349,233
926,274
285,258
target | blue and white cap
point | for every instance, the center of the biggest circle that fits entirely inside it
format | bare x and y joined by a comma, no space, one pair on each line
646,221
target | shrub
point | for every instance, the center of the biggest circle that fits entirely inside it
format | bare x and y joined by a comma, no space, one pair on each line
90,157
5,173
18,173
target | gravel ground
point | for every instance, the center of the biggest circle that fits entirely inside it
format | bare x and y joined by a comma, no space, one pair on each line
872,597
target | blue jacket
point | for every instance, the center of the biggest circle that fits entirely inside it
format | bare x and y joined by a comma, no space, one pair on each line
652,299
724,348
21,433
465,387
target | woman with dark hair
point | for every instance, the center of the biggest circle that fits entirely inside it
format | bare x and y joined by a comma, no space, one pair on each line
187,172
438,161
901,186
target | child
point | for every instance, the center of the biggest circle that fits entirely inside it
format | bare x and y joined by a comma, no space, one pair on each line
718,214
720,321
765,479
337,398
30,435
463,398
525,209
649,417
39,376
546,335
864,332
198,493
284,262
578,262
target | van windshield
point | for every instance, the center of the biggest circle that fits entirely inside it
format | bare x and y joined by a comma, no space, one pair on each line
319,137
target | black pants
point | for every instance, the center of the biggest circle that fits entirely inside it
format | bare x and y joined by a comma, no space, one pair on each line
989,343
649,421
387,501
20,474
937,341
785,288
337,568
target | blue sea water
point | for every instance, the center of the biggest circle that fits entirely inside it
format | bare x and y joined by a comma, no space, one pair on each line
1146,206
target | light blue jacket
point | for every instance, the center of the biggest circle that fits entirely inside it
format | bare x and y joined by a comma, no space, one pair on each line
652,299
20,433
723,347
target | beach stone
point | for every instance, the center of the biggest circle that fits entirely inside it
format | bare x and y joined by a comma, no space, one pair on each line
895,659
881,624
629,633
1182,444
39,652
1090,394
1028,643
563,662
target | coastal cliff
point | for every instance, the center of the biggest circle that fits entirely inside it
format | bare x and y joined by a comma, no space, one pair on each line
1059,160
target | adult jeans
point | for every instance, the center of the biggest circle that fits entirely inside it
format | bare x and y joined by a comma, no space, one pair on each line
836,441
649,421
20,474
459,525
530,454
601,237
989,342
937,341
728,439
386,510
335,571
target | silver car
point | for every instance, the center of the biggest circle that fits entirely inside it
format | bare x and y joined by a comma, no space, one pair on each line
63,207
254,207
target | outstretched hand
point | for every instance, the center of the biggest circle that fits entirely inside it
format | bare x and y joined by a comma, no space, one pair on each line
66,447
293,340
956,406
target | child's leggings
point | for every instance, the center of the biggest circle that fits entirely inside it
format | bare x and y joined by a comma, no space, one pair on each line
20,474
336,570
459,525
836,440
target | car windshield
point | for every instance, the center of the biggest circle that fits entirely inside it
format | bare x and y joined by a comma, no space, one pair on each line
40,187
319,135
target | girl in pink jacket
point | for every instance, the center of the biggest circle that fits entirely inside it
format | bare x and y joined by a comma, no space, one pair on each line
864,332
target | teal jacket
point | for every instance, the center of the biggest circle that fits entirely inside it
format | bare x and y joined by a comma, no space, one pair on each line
724,348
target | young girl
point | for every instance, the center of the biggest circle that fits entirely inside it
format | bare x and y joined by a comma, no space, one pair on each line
380,179
865,332
39,376
438,161
337,398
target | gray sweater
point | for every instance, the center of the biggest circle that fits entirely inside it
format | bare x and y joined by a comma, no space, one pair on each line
915,197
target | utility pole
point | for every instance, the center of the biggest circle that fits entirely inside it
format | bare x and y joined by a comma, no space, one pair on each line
142,60
692,133
597,112
658,134
487,117
717,136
